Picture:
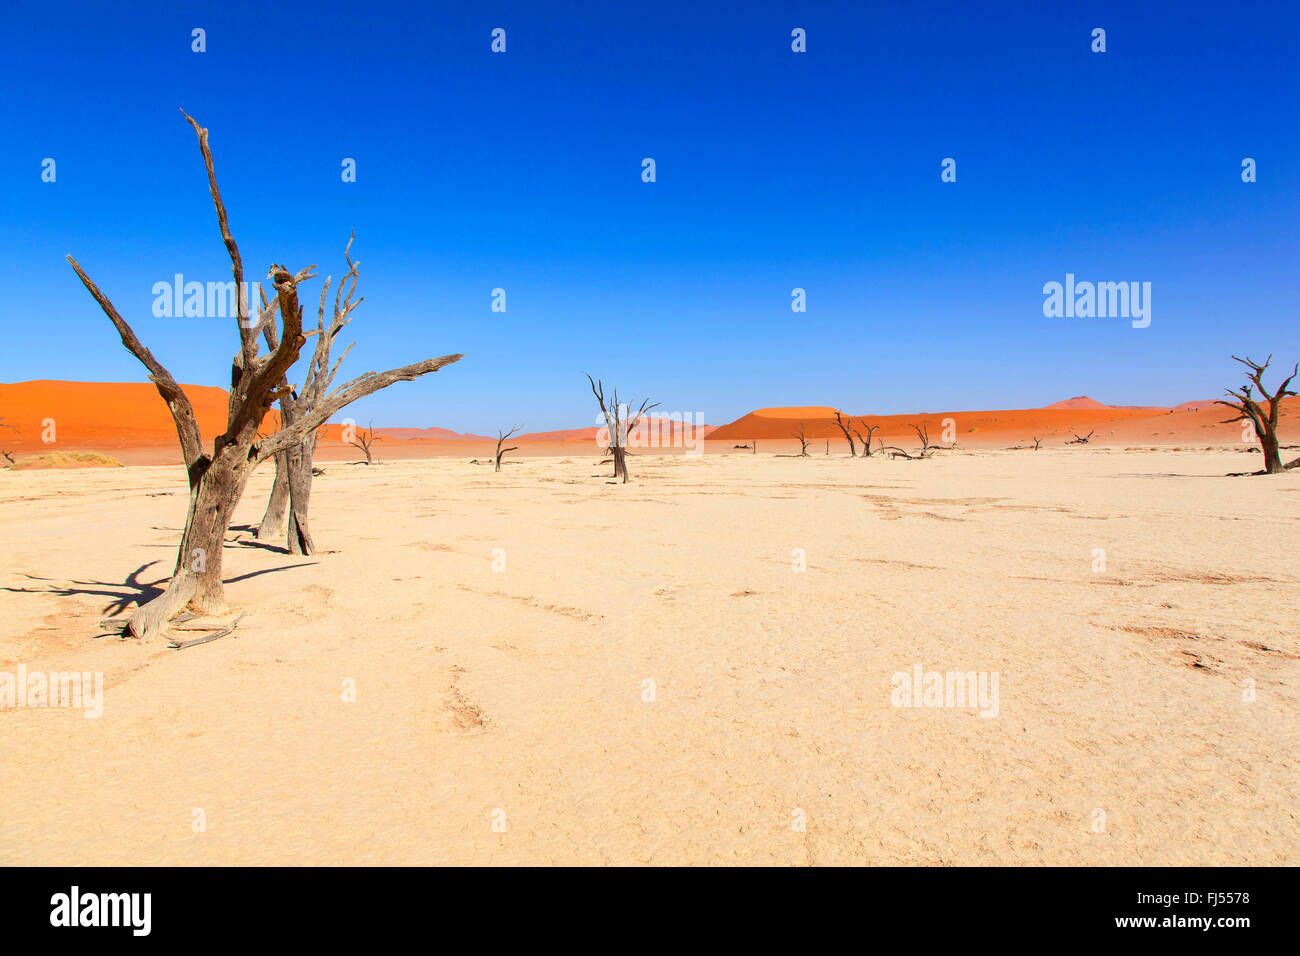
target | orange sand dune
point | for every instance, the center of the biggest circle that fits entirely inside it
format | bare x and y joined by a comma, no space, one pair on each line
588,435
1079,401
432,434
125,419
95,411
129,422
1191,423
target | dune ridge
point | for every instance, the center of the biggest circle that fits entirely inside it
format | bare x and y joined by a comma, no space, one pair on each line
129,421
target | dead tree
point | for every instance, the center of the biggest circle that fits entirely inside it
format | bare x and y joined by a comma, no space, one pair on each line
802,435
290,500
365,439
1037,442
923,433
217,479
620,422
5,451
844,425
501,440
866,440
895,452
1081,439
1250,410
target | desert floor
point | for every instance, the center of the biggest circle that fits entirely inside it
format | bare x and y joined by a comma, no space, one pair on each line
517,696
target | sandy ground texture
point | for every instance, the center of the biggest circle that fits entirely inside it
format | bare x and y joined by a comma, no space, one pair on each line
504,711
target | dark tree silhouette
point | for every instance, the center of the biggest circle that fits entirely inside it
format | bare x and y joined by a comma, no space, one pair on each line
845,425
5,451
1243,402
501,440
866,439
365,439
802,434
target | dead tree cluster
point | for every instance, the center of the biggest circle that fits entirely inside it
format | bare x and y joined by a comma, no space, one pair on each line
866,439
620,421
923,433
861,431
1265,423
217,478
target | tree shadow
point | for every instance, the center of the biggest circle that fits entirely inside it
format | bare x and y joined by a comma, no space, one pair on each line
130,593
255,574
254,543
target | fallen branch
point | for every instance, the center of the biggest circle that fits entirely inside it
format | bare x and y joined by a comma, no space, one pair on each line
219,632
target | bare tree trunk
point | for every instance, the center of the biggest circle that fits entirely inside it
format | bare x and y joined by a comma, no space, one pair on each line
802,435
502,436
923,433
866,440
300,464
273,521
365,438
1264,422
197,582
620,421
844,426
217,481
1272,455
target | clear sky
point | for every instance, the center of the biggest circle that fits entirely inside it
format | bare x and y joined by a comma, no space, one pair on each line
775,170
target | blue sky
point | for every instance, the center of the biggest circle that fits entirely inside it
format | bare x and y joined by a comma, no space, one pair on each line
775,170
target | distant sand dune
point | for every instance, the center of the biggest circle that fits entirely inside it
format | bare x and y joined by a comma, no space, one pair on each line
130,422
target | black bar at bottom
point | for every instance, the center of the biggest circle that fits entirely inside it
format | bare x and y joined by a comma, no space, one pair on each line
333,905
